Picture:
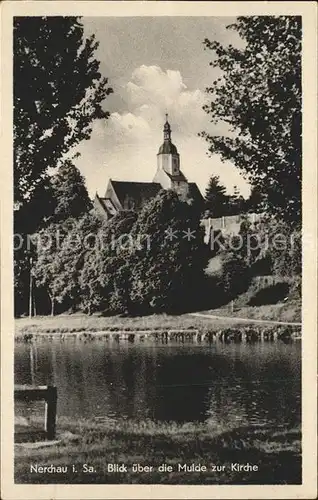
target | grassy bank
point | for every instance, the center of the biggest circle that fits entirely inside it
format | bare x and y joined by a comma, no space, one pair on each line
83,323
290,312
275,450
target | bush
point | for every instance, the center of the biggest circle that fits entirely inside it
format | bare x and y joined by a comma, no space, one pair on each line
270,295
235,276
287,259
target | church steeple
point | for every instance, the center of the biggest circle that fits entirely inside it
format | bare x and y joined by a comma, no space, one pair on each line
168,156
167,147
167,130
168,172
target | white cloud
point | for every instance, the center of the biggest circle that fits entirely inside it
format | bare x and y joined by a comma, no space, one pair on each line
125,146
128,127
150,83
152,92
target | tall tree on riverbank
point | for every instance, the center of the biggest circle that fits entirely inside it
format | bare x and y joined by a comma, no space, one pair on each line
58,93
60,250
167,275
103,277
258,96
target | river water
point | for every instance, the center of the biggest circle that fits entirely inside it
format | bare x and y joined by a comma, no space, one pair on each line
232,383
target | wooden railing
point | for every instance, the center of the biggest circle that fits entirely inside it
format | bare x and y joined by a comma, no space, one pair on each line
48,393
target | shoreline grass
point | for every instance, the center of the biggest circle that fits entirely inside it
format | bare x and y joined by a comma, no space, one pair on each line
275,450
290,312
80,323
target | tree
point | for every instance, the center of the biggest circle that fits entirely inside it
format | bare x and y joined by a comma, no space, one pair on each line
22,270
258,96
61,197
58,93
236,203
165,275
103,278
60,251
256,202
92,282
235,275
215,198
49,270
70,193
285,249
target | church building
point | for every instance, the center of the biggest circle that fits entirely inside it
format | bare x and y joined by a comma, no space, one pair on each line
126,195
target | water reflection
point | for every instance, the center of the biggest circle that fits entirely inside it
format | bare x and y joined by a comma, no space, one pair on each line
227,383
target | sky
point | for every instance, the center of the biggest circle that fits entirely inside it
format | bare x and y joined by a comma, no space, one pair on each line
155,65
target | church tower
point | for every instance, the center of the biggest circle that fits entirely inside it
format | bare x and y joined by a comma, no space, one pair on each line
168,157
127,195
168,173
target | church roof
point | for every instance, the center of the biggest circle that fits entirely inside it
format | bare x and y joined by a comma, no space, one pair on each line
138,191
179,177
167,148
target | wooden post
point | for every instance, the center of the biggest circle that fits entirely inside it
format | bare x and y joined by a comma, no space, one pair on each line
50,411
37,393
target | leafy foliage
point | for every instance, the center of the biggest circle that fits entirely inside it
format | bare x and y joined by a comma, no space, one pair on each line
103,282
285,249
70,193
63,200
58,92
270,295
235,275
60,250
167,276
129,265
258,96
256,202
21,281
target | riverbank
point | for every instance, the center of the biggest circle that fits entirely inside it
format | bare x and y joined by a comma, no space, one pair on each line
275,451
66,323
289,312
154,327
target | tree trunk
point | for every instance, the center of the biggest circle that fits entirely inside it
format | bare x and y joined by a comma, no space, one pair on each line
52,306
30,290
34,304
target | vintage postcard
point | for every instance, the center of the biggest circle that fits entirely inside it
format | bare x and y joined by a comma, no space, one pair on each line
158,250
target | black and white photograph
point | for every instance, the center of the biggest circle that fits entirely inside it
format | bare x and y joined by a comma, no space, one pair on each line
158,249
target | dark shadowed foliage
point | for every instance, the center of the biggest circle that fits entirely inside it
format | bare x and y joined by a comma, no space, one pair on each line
258,96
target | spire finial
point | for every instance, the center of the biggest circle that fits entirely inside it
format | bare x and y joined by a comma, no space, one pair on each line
167,130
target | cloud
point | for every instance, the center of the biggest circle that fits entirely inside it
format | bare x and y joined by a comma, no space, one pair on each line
128,127
152,92
125,146
153,85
